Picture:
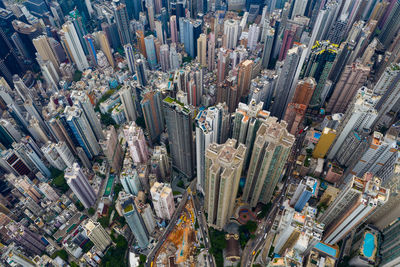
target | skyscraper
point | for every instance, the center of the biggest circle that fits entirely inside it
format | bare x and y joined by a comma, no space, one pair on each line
127,98
163,200
97,235
270,151
346,213
164,57
136,142
45,51
389,248
303,193
223,169
151,51
231,33
122,20
287,80
81,130
190,31
299,8
130,57
135,221
112,149
74,46
391,27
202,50
268,44
79,184
153,115
105,46
212,126
254,34
244,78
178,119
211,52
353,77
174,29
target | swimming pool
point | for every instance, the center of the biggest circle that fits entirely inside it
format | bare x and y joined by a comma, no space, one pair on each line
317,135
369,245
327,249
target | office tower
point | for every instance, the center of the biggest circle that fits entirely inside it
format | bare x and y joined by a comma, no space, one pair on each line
178,119
140,72
268,44
122,20
231,33
270,151
244,77
81,130
112,149
388,87
48,192
136,142
325,141
130,57
74,46
79,184
211,52
190,31
164,58
153,115
160,162
304,91
202,50
174,29
82,100
212,126
303,193
359,116
135,222
105,46
391,27
350,213
319,65
130,180
22,236
389,247
373,158
126,95
299,8
96,233
15,163
353,77
111,31
297,231
223,168
90,46
45,50
52,156
151,51
223,64
163,200
287,80
8,133
150,14
10,63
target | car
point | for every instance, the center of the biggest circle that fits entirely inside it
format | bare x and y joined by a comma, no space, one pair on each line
254,252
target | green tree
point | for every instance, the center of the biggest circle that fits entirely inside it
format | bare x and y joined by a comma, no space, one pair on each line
79,206
60,253
60,183
91,211
107,120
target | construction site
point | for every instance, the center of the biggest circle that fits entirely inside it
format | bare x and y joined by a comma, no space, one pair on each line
180,247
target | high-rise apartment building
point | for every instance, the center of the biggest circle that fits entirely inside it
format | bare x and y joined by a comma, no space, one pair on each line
45,50
390,248
303,193
202,50
348,213
270,151
74,46
151,51
127,96
178,119
152,112
136,143
174,29
268,44
79,184
105,46
212,126
190,31
163,200
244,78
231,33
353,77
223,169
112,149
96,233
160,162
65,153
130,57
164,57
122,20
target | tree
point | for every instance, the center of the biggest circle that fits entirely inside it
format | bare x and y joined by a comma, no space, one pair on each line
251,226
181,184
79,206
60,253
60,183
91,211
107,120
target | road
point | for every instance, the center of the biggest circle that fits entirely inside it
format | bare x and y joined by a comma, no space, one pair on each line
256,244
171,225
